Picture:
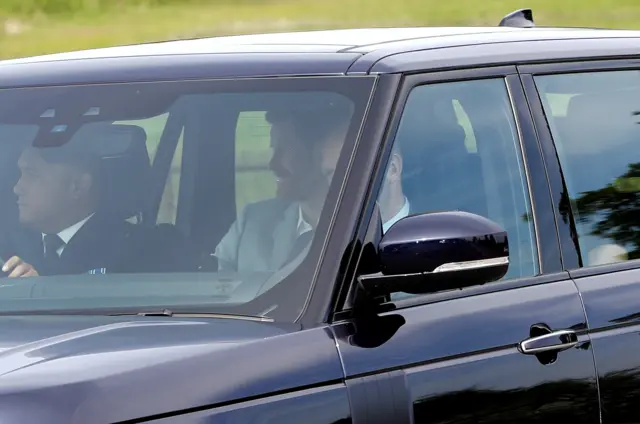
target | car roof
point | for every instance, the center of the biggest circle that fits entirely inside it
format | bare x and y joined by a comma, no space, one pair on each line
290,42
364,40
332,51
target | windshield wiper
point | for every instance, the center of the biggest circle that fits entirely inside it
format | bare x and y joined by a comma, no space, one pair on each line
148,313
168,313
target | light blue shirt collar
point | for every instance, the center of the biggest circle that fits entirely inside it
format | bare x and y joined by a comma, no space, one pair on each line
404,211
303,226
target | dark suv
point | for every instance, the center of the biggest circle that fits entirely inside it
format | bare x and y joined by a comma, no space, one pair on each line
429,225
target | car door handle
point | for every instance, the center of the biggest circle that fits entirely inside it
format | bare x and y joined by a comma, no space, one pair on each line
555,341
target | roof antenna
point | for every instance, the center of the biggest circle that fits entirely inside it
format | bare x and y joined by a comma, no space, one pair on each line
522,18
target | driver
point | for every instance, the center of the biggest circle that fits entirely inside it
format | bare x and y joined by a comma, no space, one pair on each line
63,231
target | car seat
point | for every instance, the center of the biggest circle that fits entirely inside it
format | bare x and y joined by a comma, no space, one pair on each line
438,172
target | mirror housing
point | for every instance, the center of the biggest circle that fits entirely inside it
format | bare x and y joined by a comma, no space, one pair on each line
433,252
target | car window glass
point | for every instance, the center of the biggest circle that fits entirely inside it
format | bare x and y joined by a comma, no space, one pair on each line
457,148
204,195
594,119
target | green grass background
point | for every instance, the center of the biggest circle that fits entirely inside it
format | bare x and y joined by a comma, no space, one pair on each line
43,26
31,27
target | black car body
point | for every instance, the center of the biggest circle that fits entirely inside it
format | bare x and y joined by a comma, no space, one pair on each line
555,340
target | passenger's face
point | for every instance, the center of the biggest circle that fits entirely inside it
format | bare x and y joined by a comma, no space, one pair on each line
392,180
291,162
326,155
45,190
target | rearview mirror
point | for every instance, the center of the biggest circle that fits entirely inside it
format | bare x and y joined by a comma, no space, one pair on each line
439,251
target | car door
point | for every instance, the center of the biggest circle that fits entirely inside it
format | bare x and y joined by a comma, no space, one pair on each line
592,111
459,141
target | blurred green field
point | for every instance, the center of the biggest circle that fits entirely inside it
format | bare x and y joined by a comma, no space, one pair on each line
60,7
56,26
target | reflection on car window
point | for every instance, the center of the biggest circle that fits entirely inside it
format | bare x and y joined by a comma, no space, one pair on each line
254,180
166,182
594,118
457,148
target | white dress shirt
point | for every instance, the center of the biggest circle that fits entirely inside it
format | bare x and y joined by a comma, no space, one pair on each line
67,234
403,212
303,226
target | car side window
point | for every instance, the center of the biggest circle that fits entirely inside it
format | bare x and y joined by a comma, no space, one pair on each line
595,121
457,148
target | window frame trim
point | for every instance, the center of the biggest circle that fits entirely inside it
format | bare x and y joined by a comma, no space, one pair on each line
569,245
337,258
590,65
541,199
548,272
569,248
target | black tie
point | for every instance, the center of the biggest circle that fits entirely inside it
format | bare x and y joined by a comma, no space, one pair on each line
299,245
52,242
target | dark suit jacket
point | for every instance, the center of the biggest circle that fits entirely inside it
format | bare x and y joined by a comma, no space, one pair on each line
105,245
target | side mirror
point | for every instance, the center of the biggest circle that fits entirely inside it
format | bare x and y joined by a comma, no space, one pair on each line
433,252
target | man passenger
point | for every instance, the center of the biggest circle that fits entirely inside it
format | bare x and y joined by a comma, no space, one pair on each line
263,236
306,147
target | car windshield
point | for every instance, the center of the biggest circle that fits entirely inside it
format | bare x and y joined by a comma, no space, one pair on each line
210,196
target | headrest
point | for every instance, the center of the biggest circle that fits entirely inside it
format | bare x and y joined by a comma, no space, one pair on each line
124,170
115,154
433,122
599,122
429,129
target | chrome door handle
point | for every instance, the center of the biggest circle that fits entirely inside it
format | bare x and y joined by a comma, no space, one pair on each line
555,341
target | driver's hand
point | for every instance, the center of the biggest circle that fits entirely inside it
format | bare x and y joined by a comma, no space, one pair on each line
16,267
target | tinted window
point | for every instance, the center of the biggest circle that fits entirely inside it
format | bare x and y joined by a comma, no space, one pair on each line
594,118
457,148
202,195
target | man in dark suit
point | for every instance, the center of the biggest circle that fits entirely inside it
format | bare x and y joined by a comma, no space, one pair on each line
64,229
